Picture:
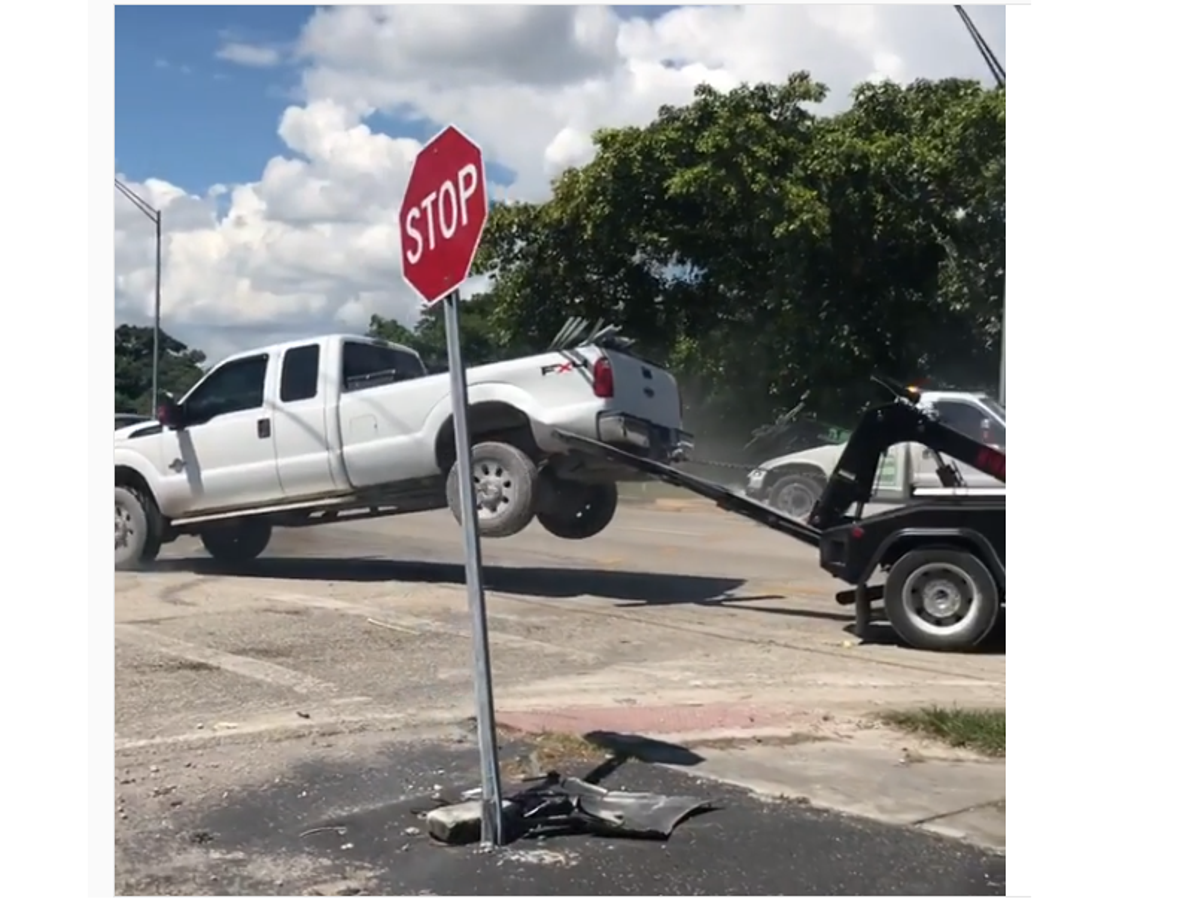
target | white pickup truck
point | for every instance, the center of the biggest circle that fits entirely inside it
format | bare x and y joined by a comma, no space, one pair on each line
793,483
340,426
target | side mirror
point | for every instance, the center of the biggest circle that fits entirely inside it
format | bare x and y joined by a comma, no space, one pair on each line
170,414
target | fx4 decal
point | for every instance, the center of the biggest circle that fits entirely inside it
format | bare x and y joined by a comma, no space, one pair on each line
559,368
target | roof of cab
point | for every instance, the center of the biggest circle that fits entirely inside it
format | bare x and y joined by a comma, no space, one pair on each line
284,346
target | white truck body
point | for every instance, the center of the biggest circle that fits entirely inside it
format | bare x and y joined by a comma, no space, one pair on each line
908,470
345,422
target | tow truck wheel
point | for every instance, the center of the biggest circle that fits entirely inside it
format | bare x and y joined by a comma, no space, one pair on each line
581,512
941,599
796,495
504,489
239,542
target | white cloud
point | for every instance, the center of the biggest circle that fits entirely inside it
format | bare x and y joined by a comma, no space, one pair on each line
312,245
249,55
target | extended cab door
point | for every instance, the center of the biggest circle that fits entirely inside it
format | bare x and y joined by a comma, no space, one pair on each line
305,424
224,456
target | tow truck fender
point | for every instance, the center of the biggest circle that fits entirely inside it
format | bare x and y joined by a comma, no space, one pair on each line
968,538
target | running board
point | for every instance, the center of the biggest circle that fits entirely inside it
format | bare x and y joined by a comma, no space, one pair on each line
262,511
728,500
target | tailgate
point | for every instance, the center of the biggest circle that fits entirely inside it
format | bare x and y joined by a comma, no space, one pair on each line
645,391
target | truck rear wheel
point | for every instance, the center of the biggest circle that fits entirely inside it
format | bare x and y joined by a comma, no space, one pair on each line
941,598
239,542
581,512
504,489
138,530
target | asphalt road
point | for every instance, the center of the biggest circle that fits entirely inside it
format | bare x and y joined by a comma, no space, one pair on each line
344,644
331,825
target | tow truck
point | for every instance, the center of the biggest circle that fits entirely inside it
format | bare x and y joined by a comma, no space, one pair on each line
942,556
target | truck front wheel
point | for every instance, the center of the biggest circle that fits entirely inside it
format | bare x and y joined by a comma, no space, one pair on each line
581,512
139,530
941,599
504,489
238,542
796,494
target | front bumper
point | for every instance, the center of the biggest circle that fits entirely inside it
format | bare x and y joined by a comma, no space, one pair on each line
656,442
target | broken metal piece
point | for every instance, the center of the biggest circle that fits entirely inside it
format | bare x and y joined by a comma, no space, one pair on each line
569,805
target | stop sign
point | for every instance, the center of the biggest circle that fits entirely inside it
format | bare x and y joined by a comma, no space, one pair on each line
442,214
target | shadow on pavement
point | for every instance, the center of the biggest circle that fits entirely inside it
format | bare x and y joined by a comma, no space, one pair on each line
623,748
643,587
823,615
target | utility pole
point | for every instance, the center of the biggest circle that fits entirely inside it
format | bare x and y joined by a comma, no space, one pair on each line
155,216
993,63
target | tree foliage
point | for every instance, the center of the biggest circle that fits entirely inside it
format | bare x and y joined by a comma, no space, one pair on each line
770,254
477,336
179,367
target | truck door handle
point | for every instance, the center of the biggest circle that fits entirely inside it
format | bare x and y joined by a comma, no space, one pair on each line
264,428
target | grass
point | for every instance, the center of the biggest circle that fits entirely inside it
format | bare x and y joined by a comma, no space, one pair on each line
551,750
981,730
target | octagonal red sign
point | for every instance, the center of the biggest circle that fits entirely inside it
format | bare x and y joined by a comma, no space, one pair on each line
442,214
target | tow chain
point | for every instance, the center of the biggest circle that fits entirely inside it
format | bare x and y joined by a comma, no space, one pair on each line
716,464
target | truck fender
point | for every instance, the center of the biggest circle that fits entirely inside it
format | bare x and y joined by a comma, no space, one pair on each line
493,392
132,470
896,544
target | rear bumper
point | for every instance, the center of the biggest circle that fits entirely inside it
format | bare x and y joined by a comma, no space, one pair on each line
645,438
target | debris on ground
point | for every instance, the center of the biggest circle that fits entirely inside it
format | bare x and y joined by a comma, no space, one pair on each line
557,805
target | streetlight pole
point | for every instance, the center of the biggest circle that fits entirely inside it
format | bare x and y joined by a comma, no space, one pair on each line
1001,77
155,216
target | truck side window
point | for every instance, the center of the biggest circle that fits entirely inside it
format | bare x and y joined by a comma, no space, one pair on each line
371,365
301,366
235,386
962,417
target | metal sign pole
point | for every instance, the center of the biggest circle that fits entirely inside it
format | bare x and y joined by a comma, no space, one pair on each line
1003,331
485,716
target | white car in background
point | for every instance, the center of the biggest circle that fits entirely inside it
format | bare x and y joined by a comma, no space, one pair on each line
793,483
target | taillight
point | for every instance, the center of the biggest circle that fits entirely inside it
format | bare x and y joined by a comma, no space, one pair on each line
602,378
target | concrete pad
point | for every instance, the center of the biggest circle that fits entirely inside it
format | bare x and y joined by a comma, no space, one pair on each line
871,781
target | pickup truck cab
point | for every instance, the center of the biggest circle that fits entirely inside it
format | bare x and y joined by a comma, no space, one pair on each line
792,483
343,426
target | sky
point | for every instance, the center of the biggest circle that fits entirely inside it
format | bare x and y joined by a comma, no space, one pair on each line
277,141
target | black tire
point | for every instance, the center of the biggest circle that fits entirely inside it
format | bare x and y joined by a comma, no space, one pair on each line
504,489
238,542
139,530
585,513
795,495
941,574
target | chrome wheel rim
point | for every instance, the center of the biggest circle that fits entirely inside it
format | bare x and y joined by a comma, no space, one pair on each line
493,488
941,599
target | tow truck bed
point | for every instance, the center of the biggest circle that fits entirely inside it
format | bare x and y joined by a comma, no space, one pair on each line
944,556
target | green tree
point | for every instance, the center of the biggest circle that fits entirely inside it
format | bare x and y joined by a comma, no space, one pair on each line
479,338
179,367
769,254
